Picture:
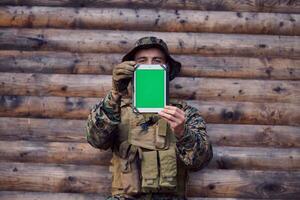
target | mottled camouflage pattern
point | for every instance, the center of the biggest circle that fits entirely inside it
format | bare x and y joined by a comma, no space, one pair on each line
152,40
103,121
194,149
147,42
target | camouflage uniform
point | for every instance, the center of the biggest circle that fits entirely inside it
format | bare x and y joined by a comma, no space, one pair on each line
193,150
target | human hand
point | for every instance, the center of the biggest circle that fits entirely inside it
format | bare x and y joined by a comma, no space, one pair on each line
176,118
122,74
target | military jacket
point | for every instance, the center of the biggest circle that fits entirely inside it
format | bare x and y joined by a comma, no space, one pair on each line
105,129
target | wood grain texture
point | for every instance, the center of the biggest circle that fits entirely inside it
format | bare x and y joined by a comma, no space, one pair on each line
254,135
245,184
182,88
254,158
247,158
47,130
150,20
54,178
19,195
240,69
95,179
212,111
53,152
218,5
97,41
66,130
192,65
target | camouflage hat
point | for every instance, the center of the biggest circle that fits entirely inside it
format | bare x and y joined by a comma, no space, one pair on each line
153,42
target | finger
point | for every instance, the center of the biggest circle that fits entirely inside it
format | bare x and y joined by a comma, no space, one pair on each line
127,67
174,108
176,114
179,119
175,111
168,116
123,71
172,124
132,63
120,77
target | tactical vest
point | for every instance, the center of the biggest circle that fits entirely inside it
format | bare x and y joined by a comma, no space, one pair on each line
144,156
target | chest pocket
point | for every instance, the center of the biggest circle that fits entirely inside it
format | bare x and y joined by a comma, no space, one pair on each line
148,131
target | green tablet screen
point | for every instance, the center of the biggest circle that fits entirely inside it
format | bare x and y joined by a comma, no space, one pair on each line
150,86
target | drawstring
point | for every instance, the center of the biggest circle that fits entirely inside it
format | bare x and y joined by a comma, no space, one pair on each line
151,121
148,123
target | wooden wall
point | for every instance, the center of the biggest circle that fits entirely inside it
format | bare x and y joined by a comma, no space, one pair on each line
241,69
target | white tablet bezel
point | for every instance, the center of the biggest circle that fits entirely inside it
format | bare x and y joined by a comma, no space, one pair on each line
149,67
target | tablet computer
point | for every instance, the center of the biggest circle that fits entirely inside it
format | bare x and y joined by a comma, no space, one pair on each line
150,88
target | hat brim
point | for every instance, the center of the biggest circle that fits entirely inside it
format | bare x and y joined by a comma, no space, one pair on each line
174,65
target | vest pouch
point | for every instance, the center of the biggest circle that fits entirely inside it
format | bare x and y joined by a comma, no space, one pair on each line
130,176
115,169
140,137
168,168
149,171
161,135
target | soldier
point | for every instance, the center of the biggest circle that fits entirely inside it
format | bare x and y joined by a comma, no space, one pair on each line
152,153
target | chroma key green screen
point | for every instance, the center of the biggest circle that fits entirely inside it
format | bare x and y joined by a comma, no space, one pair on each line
150,88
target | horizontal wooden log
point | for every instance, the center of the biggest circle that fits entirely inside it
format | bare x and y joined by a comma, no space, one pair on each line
183,88
248,113
83,153
223,5
53,152
212,111
47,130
255,158
263,184
54,178
64,130
95,179
19,195
193,66
254,135
150,20
97,41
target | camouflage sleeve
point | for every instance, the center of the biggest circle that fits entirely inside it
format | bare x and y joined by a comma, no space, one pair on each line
103,121
194,148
